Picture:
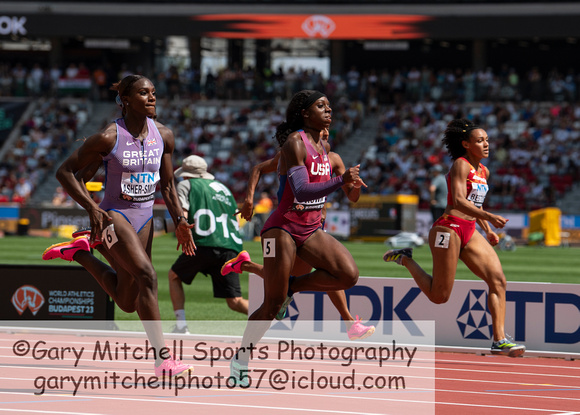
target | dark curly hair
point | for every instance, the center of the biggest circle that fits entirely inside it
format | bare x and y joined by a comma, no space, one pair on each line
456,132
294,119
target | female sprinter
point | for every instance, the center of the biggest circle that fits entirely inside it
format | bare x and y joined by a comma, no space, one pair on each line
453,235
294,228
136,151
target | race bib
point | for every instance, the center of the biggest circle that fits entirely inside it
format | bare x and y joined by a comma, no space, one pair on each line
442,240
269,247
316,204
139,187
477,194
109,237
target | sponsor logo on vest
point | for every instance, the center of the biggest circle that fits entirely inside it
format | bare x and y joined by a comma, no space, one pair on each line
320,169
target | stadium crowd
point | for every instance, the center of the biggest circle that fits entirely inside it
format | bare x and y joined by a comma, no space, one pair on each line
533,121
534,147
371,87
44,138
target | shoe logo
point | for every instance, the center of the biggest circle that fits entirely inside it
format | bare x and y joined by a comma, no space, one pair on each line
129,143
29,297
474,319
314,157
67,248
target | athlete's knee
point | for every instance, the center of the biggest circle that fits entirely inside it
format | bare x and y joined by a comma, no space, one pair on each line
439,298
128,302
348,276
497,282
232,302
146,278
172,275
127,306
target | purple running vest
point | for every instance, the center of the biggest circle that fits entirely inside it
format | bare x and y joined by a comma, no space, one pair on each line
132,169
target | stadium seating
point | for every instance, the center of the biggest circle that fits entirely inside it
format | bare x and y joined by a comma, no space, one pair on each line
534,144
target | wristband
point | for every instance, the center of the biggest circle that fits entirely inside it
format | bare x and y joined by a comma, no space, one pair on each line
179,219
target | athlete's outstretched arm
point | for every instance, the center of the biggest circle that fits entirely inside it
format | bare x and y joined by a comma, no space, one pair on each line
352,190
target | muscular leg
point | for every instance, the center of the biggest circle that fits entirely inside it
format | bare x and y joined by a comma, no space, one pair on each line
239,304
276,270
176,291
106,276
335,268
253,268
482,260
134,284
117,282
301,267
338,299
437,287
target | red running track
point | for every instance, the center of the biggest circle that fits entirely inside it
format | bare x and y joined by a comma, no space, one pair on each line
437,383
482,385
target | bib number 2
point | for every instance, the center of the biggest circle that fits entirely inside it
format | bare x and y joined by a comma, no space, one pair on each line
442,240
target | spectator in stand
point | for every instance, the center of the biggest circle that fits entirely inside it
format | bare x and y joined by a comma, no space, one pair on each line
100,82
22,191
71,71
61,198
438,192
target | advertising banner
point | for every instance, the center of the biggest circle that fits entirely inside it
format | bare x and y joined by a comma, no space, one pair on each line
542,316
52,218
33,292
376,217
338,223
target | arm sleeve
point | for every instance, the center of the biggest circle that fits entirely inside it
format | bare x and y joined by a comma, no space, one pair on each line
304,190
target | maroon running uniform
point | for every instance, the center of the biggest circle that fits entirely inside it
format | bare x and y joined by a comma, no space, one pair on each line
301,218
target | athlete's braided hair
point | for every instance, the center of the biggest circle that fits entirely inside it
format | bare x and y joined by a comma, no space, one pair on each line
456,132
294,119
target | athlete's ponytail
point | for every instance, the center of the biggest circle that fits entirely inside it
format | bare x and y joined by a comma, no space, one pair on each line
457,131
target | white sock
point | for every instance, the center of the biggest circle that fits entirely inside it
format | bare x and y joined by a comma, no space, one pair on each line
180,316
